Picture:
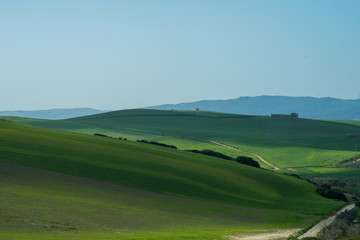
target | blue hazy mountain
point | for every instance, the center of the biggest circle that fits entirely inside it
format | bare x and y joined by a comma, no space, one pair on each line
53,113
306,107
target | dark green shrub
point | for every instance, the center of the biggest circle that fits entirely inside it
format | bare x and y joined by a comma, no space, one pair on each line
212,153
247,161
162,144
326,191
100,135
157,143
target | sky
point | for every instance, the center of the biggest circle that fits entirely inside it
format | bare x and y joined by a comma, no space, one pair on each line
118,54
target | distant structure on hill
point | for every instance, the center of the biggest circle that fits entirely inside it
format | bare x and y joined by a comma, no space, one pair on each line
294,115
196,109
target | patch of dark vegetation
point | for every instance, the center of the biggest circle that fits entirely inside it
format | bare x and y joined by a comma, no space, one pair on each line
106,136
157,143
293,175
4,120
344,226
247,161
241,159
101,135
352,182
212,153
326,191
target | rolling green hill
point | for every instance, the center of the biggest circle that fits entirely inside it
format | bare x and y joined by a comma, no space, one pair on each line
80,184
283,141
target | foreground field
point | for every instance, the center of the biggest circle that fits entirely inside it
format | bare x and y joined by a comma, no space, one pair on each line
88,187
45,202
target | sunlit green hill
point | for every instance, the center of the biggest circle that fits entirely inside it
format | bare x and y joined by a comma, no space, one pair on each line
283,141
76,183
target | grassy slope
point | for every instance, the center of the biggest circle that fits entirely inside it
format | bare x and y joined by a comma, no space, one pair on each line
43,202
349,175
353,122
49,200
329,172
285,142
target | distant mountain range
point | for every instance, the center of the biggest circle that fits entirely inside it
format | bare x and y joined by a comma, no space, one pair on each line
53,113
306,107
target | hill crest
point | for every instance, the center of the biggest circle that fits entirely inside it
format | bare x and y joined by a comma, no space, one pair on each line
306,107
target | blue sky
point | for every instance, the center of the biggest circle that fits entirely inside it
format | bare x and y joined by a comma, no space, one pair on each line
128,54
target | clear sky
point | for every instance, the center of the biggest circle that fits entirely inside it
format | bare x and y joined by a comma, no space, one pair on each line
127,54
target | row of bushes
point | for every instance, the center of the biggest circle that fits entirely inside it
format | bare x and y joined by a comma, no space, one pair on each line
143,141
211,153
157,143
240,159
103,135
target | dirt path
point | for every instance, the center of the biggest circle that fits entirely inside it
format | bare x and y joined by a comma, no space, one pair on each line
284,234
250,153
312,232
275,235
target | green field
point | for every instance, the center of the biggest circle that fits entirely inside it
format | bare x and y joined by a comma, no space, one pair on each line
328,172
89,187
353,122
347,179
282,141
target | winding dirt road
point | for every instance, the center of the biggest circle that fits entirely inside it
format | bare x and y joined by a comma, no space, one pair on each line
275,235
312,232
250,153
284,234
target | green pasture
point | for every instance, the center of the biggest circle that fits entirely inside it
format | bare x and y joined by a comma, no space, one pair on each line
152,168
40,204
350,177
328,172
353,122
88,187
282,141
